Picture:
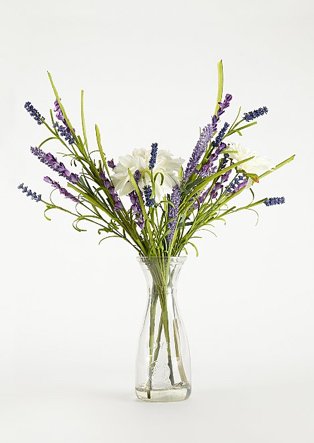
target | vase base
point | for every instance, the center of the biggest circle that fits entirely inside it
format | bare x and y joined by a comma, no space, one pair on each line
176,393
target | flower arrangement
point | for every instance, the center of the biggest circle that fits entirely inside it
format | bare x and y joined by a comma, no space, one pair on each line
149,199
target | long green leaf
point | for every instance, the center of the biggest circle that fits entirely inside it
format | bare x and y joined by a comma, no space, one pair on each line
220,84
101,150
280,165
83,120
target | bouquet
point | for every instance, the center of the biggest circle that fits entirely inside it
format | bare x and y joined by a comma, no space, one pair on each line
151,200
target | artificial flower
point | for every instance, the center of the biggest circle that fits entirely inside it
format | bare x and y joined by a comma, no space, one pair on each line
257,165
138,160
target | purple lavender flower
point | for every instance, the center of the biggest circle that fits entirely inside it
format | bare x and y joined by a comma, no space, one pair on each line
136,209
201,199
219,183
221,134
111,164
149,201
249,116
173,210
34,113
237,184
205,138
224,161
199,150
29,192
153,155
51,161
137,176
274,201
225,177
65,132
209,167
214,192
224,105
112,191
62,191
57,110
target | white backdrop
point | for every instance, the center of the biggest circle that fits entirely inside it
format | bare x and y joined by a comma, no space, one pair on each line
71,311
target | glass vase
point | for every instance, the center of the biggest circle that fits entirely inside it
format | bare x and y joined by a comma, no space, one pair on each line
163,368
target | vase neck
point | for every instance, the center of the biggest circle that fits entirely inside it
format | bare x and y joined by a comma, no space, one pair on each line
162,273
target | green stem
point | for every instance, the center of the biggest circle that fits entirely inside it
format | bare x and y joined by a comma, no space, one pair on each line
151,339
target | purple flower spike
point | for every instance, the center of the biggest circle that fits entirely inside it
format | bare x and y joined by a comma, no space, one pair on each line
205,138
214,191
136,209
137,176
238,183
111,164
65,132
153,155
62,191
209,167
249,116
58,112
201,199
149,201
29,192
198,151
221,134
173,211
274,201
224,105
112,191
51,161
34,113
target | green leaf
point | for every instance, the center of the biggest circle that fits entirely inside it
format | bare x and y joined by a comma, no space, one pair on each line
101,151
220,84
280,165
195,248
48,208
61,106
47,140
83,120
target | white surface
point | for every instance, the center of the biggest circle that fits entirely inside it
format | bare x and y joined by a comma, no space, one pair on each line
70,311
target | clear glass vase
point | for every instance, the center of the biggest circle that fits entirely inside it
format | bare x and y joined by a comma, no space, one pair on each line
163,368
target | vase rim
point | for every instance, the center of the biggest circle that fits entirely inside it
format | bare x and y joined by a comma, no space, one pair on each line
179,259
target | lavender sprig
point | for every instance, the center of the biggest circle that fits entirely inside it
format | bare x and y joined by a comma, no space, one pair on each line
221,134
136,209
153,155
29,192
224,105
51,161
135,202
62,191
199,150
111,164
58,112
209,167
112,191
65,132
149,201
205,138
274,201
173,210
238,183
249,116
34,113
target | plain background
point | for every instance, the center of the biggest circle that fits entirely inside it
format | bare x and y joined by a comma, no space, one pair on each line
71,310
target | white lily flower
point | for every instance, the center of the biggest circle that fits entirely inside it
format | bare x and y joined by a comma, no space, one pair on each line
257,165
166,164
